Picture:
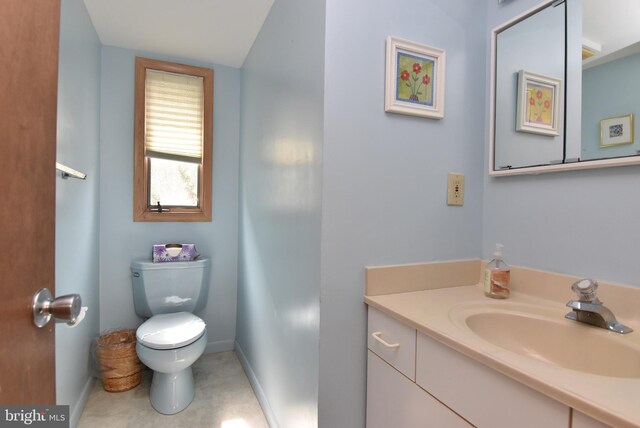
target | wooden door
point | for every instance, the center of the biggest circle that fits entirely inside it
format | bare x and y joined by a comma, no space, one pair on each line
28,97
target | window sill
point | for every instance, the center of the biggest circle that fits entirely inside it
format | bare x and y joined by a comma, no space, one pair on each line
174,216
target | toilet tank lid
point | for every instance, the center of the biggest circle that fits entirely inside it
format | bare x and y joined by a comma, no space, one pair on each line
146,264
170,331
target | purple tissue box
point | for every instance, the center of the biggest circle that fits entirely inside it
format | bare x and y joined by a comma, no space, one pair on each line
174,253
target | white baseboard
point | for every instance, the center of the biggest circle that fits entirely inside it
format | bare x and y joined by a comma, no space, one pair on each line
257,389
219,346
76,411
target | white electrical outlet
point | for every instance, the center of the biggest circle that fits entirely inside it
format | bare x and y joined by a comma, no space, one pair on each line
455,189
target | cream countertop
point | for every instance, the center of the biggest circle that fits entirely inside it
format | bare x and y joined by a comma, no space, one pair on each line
612,400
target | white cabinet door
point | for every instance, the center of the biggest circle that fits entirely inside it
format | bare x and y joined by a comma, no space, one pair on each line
480,394
580,420
393,401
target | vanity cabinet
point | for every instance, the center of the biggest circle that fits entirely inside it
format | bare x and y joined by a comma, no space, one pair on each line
480,394
580,420
393,398
393,341
416,381
395,401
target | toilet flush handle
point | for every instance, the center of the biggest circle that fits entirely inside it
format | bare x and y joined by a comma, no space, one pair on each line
64,308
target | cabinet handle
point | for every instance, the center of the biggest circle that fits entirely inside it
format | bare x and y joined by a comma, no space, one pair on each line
376,336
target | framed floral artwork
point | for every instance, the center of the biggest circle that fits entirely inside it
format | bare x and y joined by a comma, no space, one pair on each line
538,104
616,131
414,79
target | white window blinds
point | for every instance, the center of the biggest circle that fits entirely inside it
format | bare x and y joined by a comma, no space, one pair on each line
174,108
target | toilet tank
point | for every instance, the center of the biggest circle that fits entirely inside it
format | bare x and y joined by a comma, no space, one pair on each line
161,288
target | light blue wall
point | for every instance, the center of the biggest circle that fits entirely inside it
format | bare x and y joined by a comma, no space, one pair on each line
610,90
385,175
122,240
580,222
281,155
77,201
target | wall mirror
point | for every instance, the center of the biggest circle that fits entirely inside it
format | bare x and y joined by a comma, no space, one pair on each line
564,91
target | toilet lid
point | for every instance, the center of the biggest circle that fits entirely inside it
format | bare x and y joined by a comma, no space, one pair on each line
169,331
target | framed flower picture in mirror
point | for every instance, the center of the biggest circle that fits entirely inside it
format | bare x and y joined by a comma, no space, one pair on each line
414,79
537,106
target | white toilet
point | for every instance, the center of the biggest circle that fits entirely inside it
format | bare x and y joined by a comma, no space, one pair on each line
172,338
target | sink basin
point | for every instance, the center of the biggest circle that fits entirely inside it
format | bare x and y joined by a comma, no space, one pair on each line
559,342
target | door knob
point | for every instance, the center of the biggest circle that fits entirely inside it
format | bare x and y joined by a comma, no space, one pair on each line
64,308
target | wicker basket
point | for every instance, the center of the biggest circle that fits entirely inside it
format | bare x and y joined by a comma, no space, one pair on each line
119,363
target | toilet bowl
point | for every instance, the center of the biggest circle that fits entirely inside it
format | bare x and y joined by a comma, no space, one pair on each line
172,338
169,344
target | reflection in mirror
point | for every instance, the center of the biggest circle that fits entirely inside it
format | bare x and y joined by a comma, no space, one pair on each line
533,47
610,84
593,48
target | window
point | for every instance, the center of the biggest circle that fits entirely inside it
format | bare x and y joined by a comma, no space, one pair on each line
173,142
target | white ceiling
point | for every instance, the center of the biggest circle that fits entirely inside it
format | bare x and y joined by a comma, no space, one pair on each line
612,24
215,31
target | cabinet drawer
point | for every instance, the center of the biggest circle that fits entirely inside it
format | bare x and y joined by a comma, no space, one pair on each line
395,401
481,395
393,341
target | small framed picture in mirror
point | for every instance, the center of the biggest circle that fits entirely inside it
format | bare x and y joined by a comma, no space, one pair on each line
616,131
537,105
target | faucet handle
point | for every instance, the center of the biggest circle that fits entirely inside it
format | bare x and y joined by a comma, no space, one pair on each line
586,289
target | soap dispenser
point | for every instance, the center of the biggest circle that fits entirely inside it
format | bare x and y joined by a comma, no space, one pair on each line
496,276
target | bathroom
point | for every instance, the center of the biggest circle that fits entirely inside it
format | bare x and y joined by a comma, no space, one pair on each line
313,181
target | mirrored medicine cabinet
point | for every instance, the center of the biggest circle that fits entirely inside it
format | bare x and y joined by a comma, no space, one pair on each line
565,91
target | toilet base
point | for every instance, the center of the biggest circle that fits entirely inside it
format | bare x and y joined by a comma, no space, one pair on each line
172,392
172,386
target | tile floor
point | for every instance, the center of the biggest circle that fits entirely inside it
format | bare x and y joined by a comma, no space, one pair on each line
224,399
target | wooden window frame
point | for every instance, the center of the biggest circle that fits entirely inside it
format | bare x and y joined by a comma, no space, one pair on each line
141,209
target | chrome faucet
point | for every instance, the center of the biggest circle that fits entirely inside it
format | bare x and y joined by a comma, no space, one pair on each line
589,309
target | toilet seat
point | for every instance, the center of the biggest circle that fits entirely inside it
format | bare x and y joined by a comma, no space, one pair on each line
170,331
